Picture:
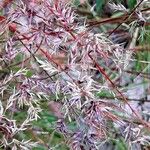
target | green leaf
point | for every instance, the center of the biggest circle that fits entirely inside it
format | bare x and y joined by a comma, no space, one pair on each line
19,58
120,145
29,73
131,4
104,93
39,148
99,6
76,3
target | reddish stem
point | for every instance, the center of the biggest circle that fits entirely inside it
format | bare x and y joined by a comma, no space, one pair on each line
101,70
